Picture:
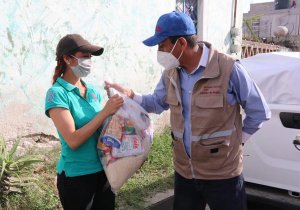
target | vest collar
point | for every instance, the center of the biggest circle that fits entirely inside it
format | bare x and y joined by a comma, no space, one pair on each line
212,68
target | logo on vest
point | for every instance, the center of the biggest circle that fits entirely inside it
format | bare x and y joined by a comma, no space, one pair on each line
211,89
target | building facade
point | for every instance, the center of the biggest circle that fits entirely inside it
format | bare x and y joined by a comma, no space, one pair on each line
277,22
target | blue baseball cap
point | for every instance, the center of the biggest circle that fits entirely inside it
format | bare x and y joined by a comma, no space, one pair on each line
171,24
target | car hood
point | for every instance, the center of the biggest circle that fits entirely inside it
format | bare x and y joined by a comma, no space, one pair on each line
277,75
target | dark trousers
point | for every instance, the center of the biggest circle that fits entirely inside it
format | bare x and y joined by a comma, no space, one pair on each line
194,194
87,192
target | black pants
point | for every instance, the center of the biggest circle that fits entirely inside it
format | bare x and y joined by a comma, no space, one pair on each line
87,192
194,194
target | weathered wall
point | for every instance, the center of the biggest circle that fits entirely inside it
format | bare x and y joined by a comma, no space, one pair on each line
30,30
268,19
289,18
216,18
261,8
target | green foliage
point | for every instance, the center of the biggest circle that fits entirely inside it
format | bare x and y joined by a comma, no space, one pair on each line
37,197
14,169
248,22
42,195
156,175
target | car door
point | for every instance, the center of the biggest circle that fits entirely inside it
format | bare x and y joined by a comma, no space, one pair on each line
272,155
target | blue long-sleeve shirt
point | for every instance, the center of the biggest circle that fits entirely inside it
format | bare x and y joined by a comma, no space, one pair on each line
241,89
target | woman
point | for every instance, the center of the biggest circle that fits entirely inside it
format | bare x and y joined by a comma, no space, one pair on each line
74,107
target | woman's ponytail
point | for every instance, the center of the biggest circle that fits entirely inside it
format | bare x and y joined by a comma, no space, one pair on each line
59,69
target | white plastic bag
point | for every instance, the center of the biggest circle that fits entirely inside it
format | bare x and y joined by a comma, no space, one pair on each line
125,142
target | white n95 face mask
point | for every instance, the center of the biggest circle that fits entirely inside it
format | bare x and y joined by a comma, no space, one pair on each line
83,67
167,59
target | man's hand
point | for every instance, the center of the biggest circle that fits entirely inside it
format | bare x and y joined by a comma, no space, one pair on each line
124,90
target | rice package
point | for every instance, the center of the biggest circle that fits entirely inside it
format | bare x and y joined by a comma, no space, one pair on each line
125,142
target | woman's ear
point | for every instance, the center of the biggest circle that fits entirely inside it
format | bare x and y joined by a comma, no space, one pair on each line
66,59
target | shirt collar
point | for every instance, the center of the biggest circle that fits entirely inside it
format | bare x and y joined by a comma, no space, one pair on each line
68,86
204,58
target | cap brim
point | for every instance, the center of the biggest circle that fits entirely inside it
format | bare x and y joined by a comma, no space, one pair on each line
93,49
154,40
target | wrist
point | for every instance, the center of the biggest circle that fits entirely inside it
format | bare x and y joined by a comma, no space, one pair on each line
105,113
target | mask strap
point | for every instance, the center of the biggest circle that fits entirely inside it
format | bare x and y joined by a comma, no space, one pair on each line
74,57
180,55
174,48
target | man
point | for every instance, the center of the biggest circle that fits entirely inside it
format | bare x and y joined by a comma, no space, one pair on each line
204,90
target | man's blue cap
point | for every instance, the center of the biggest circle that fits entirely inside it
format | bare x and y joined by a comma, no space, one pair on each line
171,24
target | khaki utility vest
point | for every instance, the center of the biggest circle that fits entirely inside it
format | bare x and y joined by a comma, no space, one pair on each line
216,126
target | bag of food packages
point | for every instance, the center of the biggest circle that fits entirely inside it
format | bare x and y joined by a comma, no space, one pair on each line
125,142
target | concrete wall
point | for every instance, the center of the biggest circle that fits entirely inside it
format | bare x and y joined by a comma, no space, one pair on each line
268,19
216,18
297,4
287,17
30,30
29,33
260,8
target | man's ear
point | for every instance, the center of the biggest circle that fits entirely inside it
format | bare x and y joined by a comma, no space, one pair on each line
183,43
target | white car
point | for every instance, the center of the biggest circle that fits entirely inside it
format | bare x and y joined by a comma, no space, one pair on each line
272,154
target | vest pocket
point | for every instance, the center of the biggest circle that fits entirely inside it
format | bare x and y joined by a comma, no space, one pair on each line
208,111
210,153
209,101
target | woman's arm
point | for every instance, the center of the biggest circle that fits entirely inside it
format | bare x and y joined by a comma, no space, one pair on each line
65,124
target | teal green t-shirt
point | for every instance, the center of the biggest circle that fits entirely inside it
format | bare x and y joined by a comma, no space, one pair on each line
84,160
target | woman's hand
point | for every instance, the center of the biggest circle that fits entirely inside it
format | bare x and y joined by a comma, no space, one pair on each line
124,90
113,104
64,122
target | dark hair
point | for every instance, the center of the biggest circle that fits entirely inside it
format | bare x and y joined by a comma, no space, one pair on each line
191,39
60,67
